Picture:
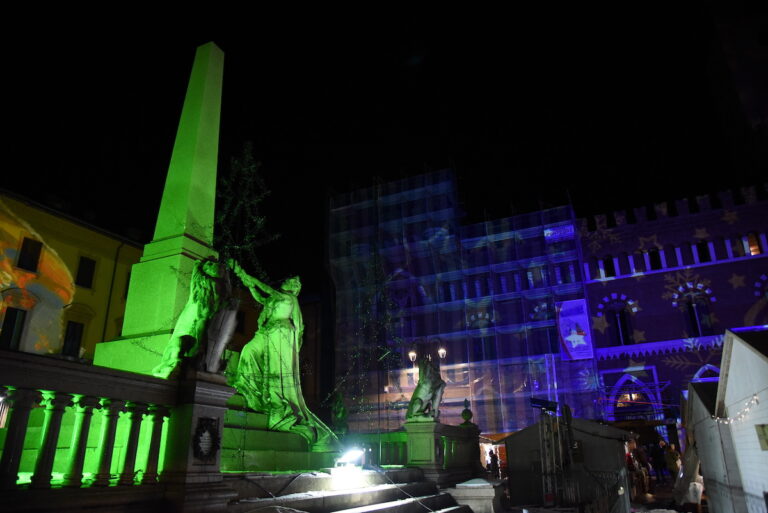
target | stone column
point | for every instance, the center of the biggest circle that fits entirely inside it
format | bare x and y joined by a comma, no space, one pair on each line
80,430
21,401
136,413
110,409
55,403
159,413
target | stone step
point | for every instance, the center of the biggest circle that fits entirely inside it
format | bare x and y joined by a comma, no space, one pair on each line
456,509
260,485
416,504
314,501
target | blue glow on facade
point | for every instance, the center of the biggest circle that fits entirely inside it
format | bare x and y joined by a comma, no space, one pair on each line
489,293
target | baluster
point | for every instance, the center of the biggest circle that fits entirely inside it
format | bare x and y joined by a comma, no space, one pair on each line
21,402
110,413
158,416
55,403
80,430
136,413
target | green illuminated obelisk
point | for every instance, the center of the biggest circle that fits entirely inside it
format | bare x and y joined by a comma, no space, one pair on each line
184,232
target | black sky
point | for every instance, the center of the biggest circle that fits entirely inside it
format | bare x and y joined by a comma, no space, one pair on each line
618,108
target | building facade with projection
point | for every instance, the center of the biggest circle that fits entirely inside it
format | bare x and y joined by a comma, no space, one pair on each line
63,282
611,316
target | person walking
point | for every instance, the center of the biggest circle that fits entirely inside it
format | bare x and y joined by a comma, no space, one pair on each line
659,461
494,466
672,460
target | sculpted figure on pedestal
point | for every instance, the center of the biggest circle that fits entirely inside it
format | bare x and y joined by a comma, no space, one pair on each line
268,373
205,325
428,393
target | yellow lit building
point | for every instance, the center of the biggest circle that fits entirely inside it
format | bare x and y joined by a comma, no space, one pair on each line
63,282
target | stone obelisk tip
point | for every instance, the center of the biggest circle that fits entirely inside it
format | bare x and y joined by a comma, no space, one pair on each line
188,202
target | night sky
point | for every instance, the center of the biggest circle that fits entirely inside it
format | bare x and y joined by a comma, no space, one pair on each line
615,109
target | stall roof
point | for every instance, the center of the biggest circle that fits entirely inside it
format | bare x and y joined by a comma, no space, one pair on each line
585,426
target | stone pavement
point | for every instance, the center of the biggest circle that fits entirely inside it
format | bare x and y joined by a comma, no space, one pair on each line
660,501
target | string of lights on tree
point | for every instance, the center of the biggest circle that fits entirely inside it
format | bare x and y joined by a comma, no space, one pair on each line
741,414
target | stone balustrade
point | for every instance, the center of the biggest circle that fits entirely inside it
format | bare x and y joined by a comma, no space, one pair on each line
389,448
69,394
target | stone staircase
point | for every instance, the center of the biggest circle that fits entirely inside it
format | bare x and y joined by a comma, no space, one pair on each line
387,491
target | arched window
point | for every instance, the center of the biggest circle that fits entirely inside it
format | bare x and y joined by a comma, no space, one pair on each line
654,259
752,244
697,315
630,398
619,321
609,270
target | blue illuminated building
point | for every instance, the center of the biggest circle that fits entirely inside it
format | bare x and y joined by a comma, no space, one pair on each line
612,316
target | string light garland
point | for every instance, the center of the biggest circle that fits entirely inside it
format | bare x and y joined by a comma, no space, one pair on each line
741,415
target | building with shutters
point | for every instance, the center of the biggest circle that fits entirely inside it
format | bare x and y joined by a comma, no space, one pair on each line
63,281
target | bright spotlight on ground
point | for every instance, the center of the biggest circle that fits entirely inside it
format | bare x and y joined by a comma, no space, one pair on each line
353,457
348,472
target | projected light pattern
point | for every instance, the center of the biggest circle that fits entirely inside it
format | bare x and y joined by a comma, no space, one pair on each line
35,284
483,293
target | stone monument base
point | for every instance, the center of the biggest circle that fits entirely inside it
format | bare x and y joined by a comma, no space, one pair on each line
248,446
446,454
138,354
480,495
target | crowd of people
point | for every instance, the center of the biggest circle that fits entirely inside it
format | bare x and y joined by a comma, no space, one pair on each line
658,465
660,460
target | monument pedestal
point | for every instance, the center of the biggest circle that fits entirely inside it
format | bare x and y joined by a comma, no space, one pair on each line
192,472
446,454
479,494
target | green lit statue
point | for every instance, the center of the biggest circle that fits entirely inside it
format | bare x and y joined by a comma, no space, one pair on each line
206,323
339,415
428,393
268,373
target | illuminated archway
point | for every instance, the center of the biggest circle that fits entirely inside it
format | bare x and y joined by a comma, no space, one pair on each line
700,374
621,388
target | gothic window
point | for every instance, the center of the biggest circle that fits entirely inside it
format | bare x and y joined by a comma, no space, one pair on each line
630,399
702,248
572,272
737,246
558,275
654,257
752,244
620,325
697,315
609,270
